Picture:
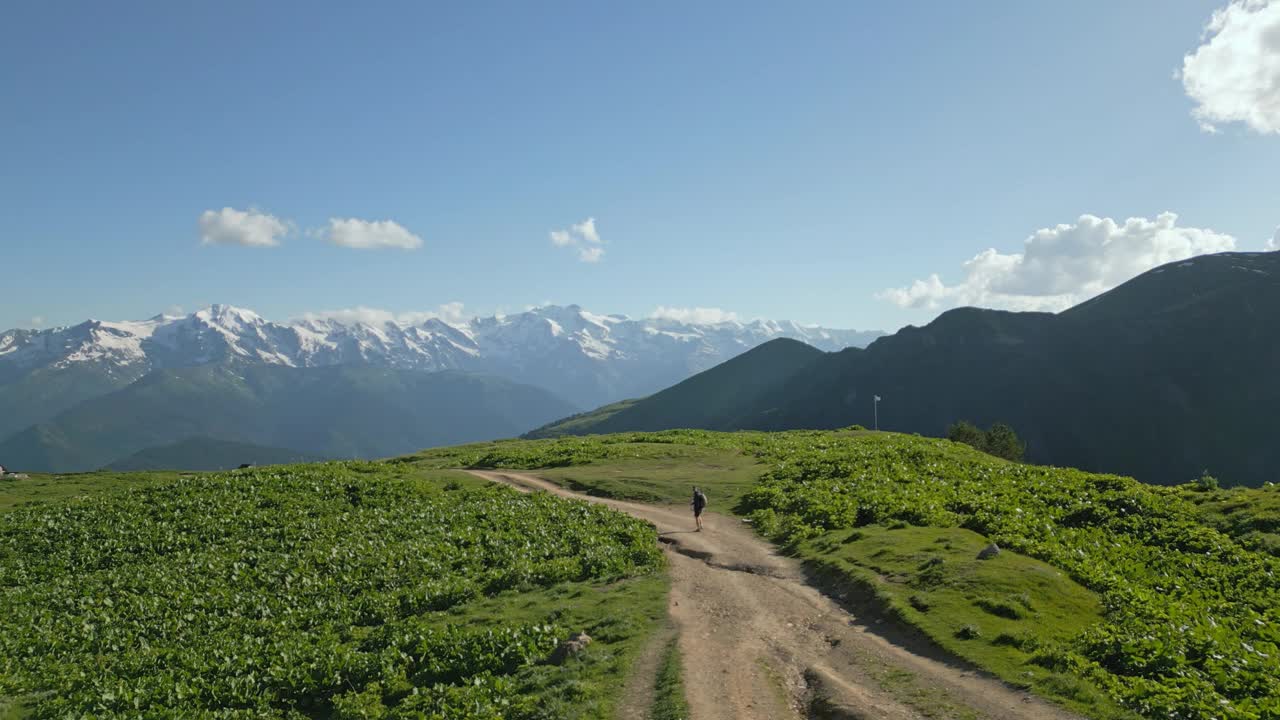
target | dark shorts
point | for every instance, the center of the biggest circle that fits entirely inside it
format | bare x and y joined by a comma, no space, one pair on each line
697,512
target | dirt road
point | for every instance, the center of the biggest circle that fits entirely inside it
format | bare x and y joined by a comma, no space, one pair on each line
758,642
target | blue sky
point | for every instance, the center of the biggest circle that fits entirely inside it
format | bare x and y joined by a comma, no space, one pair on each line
772,160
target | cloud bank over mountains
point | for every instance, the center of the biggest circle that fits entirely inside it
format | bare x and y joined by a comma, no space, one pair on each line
1064,265
695,315
451,312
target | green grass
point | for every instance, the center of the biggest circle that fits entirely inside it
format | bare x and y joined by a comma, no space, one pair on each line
1109,594
669,697
994,613
54,488
724,475
620,617
1250,515
1189,625
928,700
21,492
339,590
652,472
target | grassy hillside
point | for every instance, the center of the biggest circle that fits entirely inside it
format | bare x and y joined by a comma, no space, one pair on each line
326,412
1115,598
1250,515
1111,596
207,454
20,492
343,590
580,423
659,473
1167,375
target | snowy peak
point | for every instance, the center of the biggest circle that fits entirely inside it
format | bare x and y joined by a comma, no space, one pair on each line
228,317
587,357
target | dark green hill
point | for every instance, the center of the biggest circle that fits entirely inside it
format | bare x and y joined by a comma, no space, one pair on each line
207,454
714,399
341,412
586,420
43,393
1165,376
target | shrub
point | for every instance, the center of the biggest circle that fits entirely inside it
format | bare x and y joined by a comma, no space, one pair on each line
1000,440
1003,442
1206,482
967,433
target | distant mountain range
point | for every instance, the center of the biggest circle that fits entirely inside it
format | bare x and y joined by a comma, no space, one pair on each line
1170,374
335,412
91,393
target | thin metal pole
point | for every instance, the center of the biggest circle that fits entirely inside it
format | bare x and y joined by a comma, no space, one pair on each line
876,404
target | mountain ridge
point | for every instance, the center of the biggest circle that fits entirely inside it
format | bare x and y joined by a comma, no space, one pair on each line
586,358
1160,378
709,400
334,411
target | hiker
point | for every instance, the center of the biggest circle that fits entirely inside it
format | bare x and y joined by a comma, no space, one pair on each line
699,502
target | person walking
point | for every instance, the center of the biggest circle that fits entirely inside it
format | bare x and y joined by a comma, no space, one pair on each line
699,503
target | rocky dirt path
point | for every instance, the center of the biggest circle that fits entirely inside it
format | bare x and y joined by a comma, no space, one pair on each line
758,642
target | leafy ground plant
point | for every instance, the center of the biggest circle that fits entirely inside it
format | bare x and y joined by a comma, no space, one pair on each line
337,590
1191,618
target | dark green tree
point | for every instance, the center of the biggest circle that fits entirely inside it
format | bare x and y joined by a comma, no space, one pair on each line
1003,442
1206,482
967,433
1000,440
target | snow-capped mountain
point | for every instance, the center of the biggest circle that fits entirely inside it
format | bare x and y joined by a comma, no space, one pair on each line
586,358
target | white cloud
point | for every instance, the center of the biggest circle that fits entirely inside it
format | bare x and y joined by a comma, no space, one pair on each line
1234,76
175,311
353,316
249,228
1274,243
1064,265
695,315
582,237
370,234
450,312
587,230
37,321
